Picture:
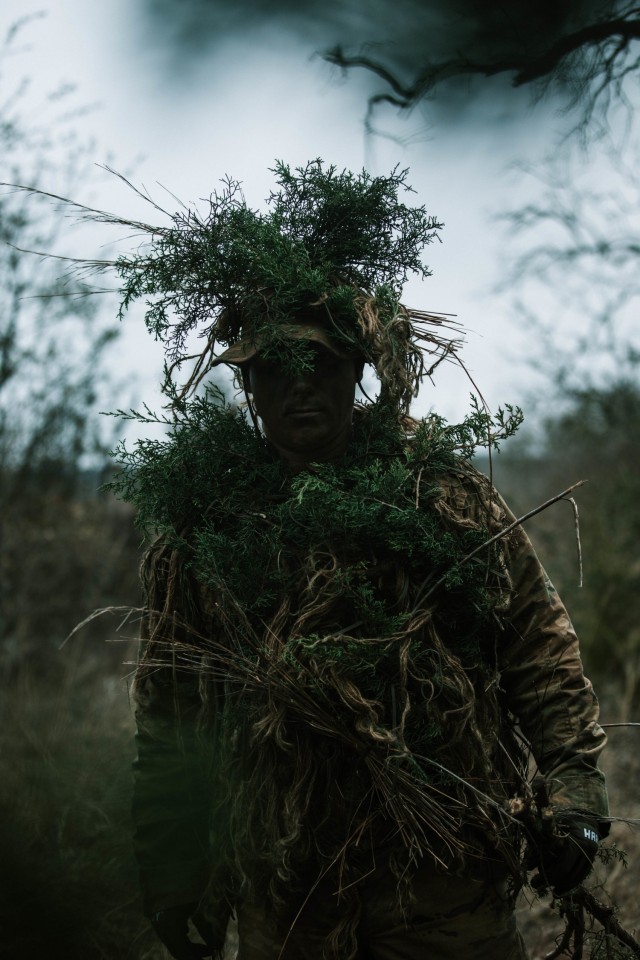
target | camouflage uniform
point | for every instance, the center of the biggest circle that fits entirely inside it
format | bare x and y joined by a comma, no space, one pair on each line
450,914
451,918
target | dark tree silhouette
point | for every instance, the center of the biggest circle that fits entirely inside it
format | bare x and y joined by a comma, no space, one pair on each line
584,51
580,52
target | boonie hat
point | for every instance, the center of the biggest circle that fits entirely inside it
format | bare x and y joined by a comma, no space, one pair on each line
245,350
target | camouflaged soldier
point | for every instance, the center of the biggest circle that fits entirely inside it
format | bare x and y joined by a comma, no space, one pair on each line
352,655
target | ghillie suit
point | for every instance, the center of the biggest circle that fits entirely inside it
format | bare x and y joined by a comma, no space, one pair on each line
337,656
349,677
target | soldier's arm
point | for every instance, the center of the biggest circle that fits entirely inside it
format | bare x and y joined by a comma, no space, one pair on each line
545,686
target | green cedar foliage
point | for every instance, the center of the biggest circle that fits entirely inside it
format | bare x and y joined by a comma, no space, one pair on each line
235,272
216,489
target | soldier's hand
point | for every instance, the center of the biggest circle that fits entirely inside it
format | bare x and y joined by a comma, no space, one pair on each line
567,858
172,927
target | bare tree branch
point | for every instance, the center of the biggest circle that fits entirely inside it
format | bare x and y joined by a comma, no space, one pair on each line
592,60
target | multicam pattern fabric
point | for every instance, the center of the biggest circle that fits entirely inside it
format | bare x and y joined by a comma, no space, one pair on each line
450,918
536,678
540,666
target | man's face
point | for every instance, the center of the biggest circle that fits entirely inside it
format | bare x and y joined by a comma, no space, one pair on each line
306,415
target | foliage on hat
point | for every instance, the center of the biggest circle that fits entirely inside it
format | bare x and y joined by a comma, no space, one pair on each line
340,242
323,229
334,242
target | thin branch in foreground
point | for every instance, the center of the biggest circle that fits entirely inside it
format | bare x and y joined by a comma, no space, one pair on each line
503,533
127,611
620,724
574,907
90,264
576,517
85,212
606,917
523,519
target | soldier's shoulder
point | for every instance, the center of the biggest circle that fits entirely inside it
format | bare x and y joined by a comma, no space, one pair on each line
465,485
470,494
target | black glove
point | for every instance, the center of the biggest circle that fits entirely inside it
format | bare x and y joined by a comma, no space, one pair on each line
172,927
565,858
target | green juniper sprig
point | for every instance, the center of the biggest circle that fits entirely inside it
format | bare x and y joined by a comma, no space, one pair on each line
327,238
216,477
356,222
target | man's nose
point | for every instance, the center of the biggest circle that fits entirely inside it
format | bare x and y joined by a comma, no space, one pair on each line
301,381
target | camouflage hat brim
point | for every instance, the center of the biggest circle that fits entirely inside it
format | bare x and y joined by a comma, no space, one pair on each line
245,350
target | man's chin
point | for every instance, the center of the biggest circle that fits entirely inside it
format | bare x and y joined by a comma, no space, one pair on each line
310,441
310,438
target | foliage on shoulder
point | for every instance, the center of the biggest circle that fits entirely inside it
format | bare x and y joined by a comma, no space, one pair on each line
216,478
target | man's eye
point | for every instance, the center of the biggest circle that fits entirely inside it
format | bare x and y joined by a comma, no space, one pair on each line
268,365
323,360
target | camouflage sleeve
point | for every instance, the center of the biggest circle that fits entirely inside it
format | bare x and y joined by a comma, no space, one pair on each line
545,686
171,794
539,660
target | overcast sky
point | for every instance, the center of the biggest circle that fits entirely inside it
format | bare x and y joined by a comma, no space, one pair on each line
263,96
